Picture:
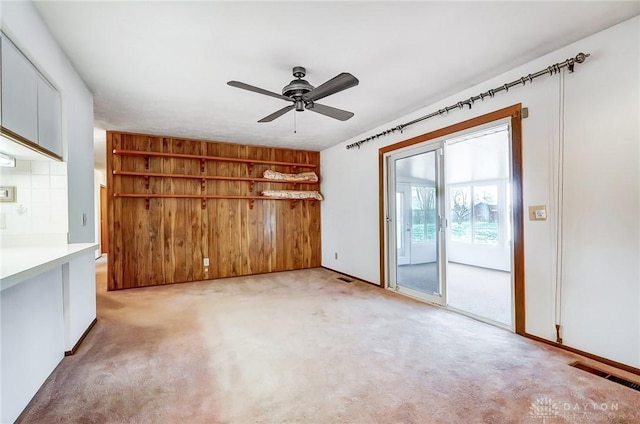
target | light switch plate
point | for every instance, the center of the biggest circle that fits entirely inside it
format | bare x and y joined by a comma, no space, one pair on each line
538,213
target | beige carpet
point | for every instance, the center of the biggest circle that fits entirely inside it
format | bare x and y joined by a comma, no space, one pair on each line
480,291
304,347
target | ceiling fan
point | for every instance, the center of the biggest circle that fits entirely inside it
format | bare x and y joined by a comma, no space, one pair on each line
303,95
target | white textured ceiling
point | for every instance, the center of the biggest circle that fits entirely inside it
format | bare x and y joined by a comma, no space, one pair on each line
162,67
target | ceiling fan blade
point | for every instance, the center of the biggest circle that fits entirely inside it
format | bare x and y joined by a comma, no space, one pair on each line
277,114
332,112
248,87
336,84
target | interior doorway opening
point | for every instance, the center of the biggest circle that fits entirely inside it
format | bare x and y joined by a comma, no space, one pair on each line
478,231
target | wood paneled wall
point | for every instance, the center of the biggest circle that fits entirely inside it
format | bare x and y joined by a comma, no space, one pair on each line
167,242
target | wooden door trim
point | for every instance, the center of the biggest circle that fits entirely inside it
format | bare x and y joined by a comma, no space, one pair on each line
513,112
104,223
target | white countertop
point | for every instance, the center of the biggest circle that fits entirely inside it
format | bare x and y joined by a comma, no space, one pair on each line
20,263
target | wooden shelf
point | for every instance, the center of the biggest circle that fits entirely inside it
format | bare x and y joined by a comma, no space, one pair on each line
212,158
209,177
203,197
204,177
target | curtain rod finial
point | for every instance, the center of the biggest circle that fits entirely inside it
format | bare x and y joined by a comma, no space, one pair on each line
580,57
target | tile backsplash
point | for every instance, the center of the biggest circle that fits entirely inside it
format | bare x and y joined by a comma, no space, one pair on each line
41,205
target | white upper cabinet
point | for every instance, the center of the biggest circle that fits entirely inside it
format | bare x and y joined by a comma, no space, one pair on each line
30,105
49,125
19,93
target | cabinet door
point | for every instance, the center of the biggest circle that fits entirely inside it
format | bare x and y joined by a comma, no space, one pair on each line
19,93
49,125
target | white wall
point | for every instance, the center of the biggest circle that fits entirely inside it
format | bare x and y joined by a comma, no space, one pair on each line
23,25
601,235
79,290
32,339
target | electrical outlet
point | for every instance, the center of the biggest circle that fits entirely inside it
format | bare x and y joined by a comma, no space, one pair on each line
206,261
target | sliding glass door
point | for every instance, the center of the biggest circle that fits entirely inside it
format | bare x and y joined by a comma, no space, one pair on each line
416,217
450,225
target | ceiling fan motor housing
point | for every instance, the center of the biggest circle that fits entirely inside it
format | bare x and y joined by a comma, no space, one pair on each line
298,87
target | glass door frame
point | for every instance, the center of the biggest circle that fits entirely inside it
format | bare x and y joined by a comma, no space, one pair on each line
391,220
401,233
514,115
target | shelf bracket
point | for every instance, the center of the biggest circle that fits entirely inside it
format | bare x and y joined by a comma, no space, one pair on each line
146,182
249,168
202,165
203,183
251,184
203,203
146,203
251,202
293,203
294,169
146,163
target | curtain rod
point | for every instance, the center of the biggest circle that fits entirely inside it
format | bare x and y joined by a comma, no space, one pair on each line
551,70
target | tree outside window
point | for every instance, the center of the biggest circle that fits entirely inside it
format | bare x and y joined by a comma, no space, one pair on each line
460,198
423,210
477,223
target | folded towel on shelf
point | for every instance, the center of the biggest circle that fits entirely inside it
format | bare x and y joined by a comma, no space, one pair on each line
293,194
302,176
